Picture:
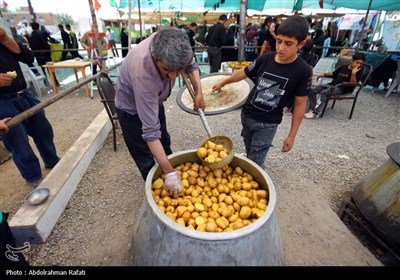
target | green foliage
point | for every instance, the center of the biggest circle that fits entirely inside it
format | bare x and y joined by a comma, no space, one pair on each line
66,19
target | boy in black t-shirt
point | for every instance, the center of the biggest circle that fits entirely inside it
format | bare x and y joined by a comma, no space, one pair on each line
280,77
345,73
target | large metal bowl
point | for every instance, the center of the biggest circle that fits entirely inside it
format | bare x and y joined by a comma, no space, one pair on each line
37,196
231,97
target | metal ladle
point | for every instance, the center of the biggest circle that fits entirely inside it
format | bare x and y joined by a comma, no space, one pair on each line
218,139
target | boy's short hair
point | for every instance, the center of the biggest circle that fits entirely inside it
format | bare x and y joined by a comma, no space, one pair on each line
193,24
359,55
294,26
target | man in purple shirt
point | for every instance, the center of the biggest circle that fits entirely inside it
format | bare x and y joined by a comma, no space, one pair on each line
145,81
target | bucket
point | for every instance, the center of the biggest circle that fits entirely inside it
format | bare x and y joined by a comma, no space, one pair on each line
159,241
378,196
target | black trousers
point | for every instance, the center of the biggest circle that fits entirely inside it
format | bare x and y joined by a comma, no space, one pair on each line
131,127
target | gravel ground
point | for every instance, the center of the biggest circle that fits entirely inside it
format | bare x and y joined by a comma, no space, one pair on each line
330,156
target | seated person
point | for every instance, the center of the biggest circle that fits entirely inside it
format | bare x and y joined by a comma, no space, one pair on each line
345,73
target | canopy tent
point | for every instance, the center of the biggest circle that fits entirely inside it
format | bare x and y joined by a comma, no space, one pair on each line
223,5
378,5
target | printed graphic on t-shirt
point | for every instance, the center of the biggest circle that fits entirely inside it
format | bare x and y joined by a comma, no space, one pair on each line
269,91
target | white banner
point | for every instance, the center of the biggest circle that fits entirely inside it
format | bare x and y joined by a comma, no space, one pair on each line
354,22
391,35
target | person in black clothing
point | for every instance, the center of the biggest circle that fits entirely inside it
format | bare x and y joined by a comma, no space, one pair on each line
307,54
124,40
15,98
318,40
230,54
269,42
215,39
39,43
47,36
346,73
74,42
192,34
66,40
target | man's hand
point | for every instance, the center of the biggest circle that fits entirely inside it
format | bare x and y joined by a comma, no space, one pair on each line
199,102
173,183
5,79
3,125
3,34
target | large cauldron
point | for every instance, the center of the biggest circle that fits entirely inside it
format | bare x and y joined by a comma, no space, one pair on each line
159,241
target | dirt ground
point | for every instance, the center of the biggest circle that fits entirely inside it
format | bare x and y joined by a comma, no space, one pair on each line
311,181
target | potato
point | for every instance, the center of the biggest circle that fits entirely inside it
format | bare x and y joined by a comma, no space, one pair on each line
13,74
211,227
157,184
202,152
245,212
218,200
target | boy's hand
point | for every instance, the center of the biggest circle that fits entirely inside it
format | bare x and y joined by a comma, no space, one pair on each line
355,70
287,144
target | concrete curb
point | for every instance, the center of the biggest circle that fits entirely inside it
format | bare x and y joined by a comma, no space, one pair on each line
34,223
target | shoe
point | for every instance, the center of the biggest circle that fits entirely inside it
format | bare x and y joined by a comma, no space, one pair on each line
310,115
34,184
51,166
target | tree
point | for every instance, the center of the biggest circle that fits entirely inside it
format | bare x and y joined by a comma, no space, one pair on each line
66,19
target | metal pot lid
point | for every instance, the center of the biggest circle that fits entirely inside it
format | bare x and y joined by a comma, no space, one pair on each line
231,96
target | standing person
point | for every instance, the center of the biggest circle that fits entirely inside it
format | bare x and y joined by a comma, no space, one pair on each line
145,81
15,98
66,40
88,41
74,42
280,77
19,38
319,39
215,39
251,52
269,43
230,54
124,40
111,40
193,35
345,73
39,43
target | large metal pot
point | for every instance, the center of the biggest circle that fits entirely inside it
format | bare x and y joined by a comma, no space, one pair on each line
159,241
378,196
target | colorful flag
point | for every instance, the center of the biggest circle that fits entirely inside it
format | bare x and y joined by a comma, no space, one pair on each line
298,6
321,4
4,5
97,5
113,4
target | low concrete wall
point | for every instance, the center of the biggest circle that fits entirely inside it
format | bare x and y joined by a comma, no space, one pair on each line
34,223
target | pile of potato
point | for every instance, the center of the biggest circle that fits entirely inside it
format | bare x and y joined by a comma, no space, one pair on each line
212,152
218,200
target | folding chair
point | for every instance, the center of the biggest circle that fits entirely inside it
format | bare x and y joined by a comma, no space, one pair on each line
107,94
31,77
367,70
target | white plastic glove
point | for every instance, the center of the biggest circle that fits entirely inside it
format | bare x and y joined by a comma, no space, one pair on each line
173,183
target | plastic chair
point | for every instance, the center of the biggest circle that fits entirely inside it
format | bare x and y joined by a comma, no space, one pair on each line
31,77
107,95
350,95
